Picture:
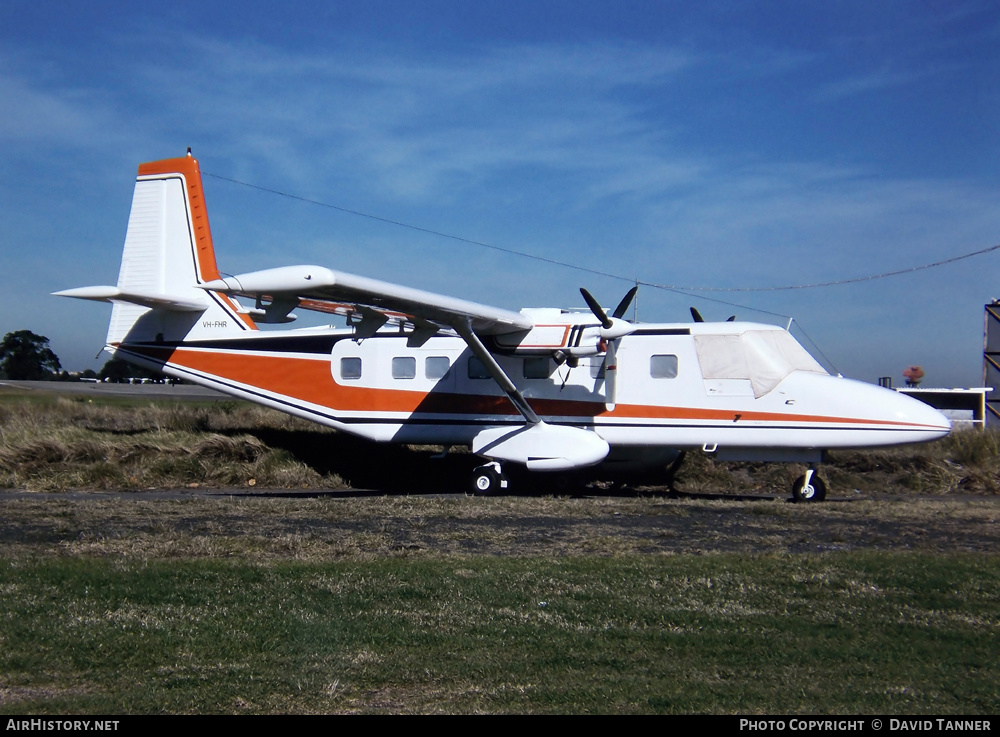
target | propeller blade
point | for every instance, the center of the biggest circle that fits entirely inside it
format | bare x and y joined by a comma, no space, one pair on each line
596,308
626,301
696,315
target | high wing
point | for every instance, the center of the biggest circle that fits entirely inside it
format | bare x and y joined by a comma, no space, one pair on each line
276,292
370,301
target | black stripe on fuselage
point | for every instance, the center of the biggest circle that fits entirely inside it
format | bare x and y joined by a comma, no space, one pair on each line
273,343
661,331
516,420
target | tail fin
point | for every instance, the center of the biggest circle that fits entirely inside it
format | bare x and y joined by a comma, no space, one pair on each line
168,253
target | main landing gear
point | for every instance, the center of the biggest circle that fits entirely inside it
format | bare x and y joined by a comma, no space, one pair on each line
809,488
488,480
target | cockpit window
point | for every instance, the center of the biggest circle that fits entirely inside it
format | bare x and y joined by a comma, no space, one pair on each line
764,357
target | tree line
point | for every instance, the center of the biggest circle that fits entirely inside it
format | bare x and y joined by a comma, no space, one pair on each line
25,356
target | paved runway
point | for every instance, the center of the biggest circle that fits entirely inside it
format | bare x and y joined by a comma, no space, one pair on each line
157,391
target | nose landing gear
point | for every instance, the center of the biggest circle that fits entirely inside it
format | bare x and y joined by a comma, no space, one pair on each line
809,488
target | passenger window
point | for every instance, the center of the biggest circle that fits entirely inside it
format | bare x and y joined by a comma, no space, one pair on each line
537,367
663,367
477,369
436,367
404,367
350,368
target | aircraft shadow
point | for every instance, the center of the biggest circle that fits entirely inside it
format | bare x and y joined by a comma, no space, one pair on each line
363,464
377,469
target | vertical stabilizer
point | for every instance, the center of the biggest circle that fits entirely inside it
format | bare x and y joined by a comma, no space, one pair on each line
168,252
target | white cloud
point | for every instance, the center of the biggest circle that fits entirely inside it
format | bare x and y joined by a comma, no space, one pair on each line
417,126
38,114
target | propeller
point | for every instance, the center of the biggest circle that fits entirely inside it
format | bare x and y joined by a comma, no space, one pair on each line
612,330
612,327
622,307
596,308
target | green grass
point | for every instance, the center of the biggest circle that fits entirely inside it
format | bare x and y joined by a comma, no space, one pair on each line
835,633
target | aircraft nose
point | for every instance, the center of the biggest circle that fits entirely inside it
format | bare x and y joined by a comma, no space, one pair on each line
912,411
886,416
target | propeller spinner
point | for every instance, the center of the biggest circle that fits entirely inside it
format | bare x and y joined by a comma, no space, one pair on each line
615,326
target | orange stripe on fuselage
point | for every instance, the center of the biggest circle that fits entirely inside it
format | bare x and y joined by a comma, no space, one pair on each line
310,380
741,416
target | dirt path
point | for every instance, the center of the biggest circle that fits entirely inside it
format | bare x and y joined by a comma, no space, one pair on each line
321,525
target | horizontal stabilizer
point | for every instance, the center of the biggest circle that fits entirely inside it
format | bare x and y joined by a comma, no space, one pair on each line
146,299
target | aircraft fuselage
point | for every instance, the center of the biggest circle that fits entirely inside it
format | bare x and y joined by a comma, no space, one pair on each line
385,389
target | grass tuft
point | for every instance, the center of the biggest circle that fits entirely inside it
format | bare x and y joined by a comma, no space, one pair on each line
64,444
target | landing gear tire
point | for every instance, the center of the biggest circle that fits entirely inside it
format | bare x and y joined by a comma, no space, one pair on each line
809,488
488,481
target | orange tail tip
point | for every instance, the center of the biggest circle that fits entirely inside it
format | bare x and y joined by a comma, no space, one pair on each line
187,166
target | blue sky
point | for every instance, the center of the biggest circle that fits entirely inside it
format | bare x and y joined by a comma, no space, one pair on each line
706,145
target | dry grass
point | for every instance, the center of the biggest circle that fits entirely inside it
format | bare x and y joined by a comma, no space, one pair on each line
966,462
50,443
67,444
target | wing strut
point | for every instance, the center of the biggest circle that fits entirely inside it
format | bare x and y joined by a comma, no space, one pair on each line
464,328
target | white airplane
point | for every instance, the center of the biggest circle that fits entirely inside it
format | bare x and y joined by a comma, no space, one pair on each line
548,389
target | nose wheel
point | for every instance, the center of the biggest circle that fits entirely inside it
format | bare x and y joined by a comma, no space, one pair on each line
809,488
488,480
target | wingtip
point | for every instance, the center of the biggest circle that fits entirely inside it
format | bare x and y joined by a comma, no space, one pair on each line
94,293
